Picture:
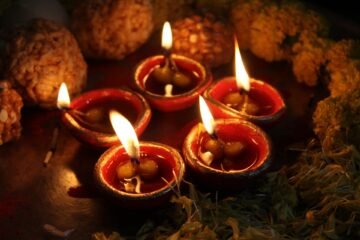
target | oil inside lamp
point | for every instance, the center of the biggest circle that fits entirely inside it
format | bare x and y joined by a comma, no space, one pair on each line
136,170
170,74
216,152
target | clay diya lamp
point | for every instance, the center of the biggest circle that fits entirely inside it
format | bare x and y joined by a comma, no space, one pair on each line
138,175
87,117
171,82
242,97
226,153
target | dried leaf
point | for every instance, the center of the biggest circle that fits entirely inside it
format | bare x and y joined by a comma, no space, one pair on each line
186,203
102,236
233,223
174,236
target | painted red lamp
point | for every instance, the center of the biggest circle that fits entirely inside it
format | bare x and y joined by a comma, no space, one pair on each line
242,97
138,174
226,153
171,82
87,116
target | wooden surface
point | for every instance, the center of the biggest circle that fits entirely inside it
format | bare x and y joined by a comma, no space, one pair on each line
63,194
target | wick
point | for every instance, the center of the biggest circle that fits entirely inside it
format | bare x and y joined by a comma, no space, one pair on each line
135,160
169,60
53,146
246,95
214,136
167,53
74,111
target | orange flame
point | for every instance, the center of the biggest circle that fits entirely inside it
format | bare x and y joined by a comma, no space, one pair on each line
206,116
166,39
63,99
126,134
241,76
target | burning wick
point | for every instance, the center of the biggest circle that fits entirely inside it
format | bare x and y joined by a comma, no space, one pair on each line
169,73
166,38
207,118
165,73
63,101
133,170
216,148
241,76
166,43
126,134
85,119
209,125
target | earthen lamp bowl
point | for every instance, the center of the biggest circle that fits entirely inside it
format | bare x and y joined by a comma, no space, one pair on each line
171,167
261,92
229,129
178,101
127,99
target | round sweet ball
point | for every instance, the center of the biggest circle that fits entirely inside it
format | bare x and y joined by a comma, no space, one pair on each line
42,56
112,29
204,39
10,113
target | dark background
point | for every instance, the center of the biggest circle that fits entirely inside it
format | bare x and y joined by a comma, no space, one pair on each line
348,9
342,16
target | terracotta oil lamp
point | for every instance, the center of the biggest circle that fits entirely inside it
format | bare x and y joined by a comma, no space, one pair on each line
226,153
171,82
138,174
87,116
242,97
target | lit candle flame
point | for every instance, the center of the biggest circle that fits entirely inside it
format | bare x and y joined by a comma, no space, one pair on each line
126,134
166,39
63,99
241,76
206,116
